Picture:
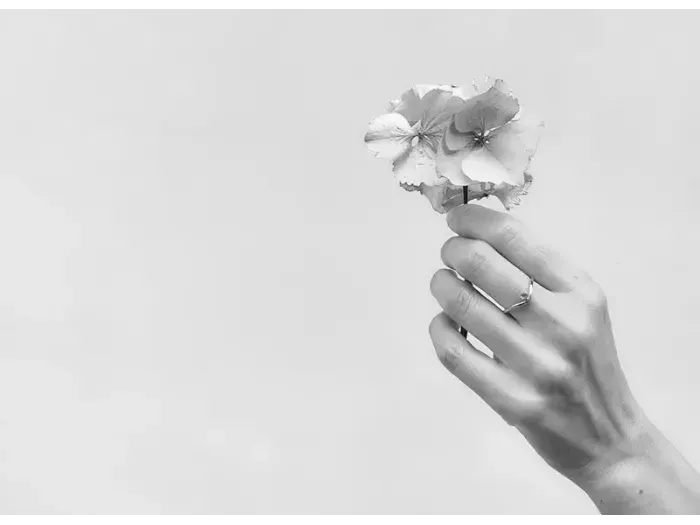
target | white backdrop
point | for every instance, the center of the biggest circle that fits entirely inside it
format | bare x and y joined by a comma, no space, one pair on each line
213,299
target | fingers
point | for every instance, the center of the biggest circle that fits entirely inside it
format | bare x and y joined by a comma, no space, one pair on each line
474,312
519,349
508,236
496,385
487,269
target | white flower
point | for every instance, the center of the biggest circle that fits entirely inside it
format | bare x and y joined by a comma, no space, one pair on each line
488,139
450,143
411,134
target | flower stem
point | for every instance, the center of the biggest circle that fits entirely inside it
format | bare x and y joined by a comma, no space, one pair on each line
465,191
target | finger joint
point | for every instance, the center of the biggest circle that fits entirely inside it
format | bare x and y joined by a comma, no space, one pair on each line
464,303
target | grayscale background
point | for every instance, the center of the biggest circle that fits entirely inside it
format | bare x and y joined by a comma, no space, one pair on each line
214,299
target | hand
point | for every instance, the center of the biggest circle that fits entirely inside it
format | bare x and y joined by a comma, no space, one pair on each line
555,375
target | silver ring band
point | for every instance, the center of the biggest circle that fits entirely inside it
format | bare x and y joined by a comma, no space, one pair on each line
524,298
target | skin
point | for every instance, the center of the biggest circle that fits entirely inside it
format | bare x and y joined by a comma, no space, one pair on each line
555,374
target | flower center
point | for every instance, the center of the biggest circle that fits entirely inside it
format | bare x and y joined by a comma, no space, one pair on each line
481,138
418,137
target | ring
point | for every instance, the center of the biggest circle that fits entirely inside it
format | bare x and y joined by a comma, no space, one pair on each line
524,298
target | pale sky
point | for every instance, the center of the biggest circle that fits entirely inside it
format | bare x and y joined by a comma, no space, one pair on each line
216,300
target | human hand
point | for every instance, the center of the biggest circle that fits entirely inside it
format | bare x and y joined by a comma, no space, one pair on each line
556,376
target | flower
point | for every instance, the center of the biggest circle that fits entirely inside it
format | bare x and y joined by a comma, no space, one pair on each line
450,143
488,139
411,133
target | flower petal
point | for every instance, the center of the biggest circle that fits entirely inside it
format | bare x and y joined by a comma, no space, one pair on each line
409,187
455,141
529,129
448,164
445,196
487,111
410,106
442,197
483,84
481,165
509,195
423,89
507,148
416,166
459,91
389,135
514,145
438,108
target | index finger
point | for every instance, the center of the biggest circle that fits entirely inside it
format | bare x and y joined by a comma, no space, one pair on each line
512,240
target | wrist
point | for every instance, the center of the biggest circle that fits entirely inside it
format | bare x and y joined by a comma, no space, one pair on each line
648,476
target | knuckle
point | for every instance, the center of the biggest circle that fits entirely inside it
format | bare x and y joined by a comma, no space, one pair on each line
576,327
580,331
510,232
560,374
582,277
530,413
555,366
475,260
543,253
464,303
589,293
450,356
594,297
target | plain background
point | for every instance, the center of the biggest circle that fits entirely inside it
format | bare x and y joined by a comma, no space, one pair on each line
213,299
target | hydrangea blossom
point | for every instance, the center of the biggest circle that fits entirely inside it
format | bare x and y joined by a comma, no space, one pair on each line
411,133
452,144
488,139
